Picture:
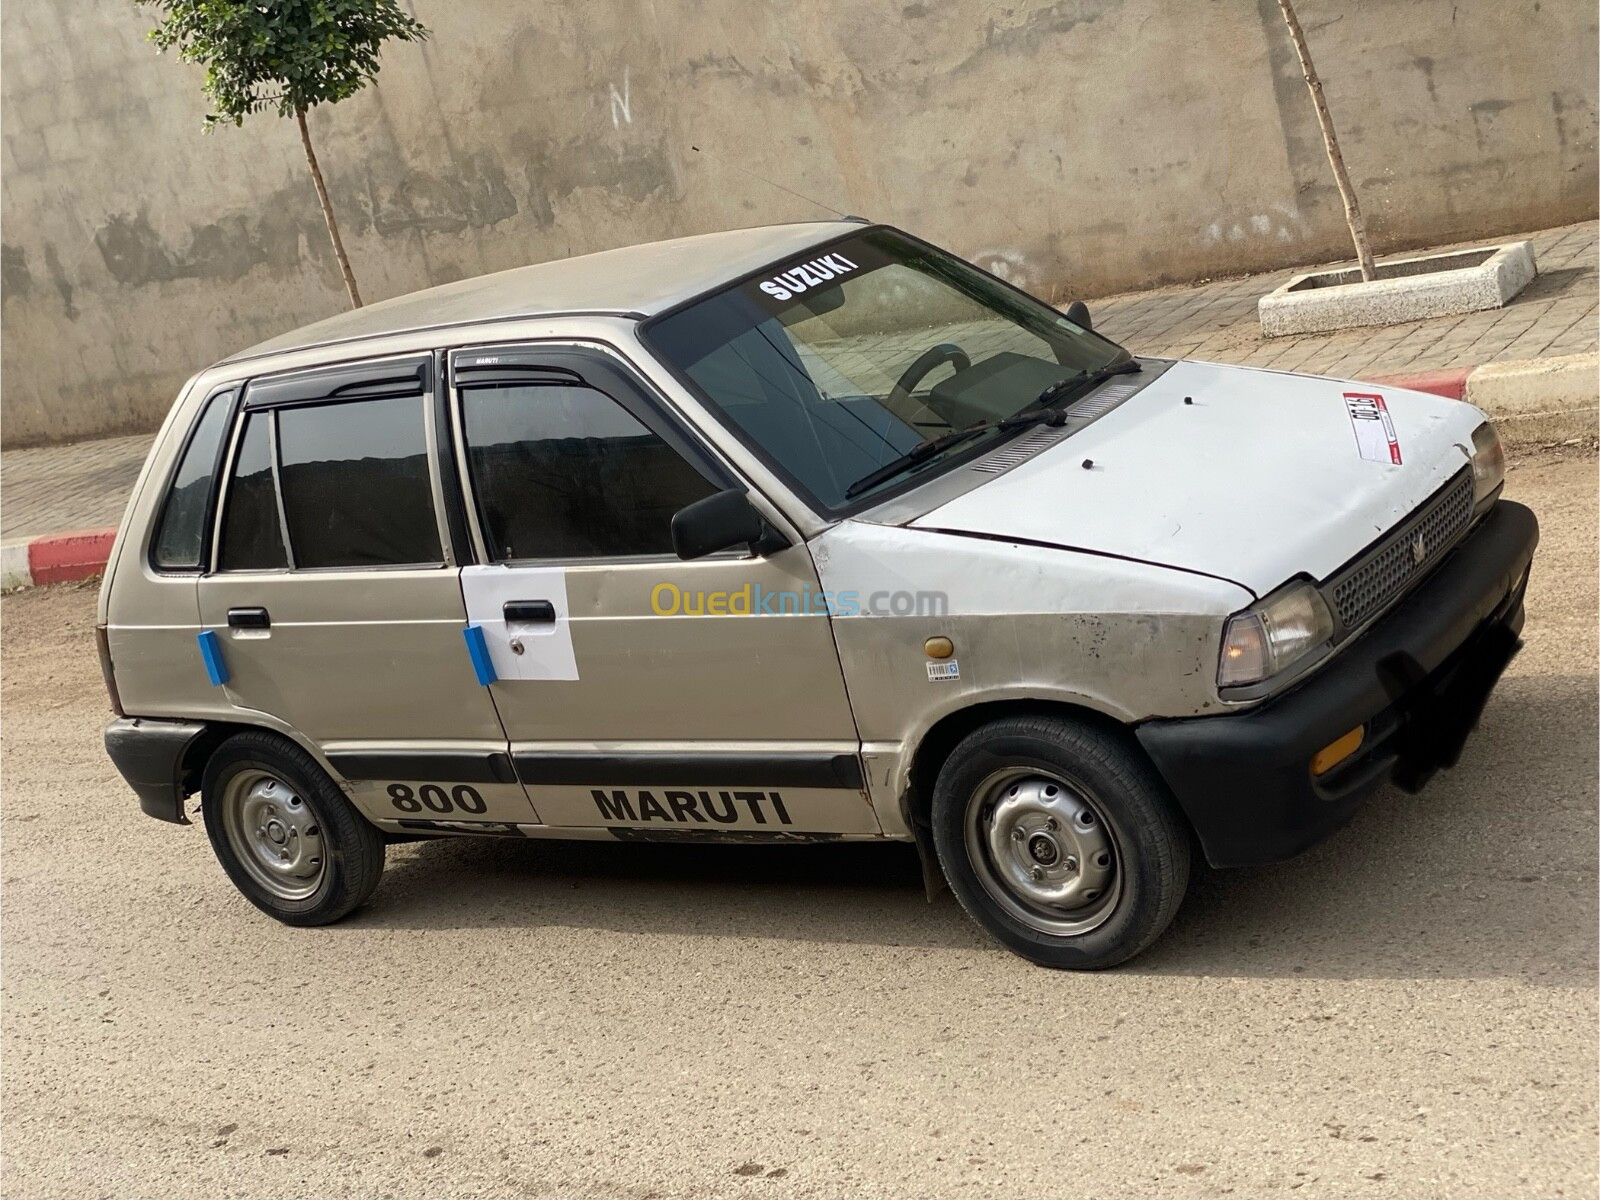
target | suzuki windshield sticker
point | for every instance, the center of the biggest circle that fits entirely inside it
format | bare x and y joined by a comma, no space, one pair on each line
788,284
802,277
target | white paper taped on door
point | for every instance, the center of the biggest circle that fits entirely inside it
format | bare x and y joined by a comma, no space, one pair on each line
536,648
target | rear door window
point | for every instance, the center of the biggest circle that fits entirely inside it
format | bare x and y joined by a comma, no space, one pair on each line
333,470
356,487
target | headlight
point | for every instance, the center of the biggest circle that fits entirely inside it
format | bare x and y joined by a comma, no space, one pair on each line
1273,634
1488,463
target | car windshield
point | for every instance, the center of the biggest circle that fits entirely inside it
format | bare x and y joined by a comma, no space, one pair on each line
853,355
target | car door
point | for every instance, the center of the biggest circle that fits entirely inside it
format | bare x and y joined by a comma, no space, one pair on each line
640,693
334,601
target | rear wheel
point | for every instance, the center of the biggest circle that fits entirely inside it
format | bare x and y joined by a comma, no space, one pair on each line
1060,839
284,832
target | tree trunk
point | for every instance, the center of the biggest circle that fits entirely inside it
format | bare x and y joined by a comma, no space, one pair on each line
1347,193
327,211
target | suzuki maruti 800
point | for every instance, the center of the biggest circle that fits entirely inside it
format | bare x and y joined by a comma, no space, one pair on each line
797,534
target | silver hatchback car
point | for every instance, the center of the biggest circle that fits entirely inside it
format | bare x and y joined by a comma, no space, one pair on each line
797,534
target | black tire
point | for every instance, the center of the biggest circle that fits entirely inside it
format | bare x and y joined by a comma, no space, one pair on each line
1104,773
350,849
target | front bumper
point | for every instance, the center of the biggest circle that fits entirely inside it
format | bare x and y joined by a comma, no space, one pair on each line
1417,681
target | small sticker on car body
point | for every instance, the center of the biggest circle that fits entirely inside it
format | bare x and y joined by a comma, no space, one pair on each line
1373,427
946,669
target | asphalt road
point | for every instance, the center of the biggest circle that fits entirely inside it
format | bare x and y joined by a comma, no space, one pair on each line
1408,1010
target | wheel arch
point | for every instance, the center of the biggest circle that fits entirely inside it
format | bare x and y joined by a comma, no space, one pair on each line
942,737
198,752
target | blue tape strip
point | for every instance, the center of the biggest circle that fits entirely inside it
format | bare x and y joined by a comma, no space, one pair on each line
478,651
211,655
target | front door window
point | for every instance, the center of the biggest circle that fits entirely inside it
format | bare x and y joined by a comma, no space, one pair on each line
563,471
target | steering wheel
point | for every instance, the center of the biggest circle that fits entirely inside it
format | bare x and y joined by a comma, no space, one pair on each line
944,352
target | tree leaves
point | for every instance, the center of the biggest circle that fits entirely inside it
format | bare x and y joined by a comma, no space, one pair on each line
280,54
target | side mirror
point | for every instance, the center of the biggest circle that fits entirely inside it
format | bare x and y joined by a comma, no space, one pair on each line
718,522
1078,314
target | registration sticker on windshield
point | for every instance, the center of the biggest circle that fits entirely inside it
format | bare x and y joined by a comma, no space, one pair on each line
1374,428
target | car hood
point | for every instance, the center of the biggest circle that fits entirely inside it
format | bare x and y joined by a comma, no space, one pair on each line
1248,475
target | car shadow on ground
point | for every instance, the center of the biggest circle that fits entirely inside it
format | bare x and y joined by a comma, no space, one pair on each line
1489,873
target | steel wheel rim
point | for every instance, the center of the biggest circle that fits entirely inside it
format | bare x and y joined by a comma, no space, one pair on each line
274,834
1044,851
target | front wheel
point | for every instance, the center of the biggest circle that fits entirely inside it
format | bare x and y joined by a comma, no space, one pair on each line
285,834
1059,838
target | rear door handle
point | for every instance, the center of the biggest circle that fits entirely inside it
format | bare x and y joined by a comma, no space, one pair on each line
249,618
529,611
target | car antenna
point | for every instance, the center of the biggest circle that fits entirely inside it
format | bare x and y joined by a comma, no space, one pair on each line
779,186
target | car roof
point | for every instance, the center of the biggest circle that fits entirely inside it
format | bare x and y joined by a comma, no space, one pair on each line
633,280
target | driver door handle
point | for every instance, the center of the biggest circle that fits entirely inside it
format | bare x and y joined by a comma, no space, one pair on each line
529,611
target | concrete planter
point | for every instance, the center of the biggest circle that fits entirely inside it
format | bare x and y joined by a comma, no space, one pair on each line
1406,289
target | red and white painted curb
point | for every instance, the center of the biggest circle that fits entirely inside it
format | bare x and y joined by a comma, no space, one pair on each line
1535,402
55,558
1440,383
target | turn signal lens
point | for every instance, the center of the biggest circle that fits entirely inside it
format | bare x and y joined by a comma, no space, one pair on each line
1336,752
1488,463
1273,634
1246,657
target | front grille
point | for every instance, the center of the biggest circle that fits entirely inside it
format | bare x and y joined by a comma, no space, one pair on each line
1388,569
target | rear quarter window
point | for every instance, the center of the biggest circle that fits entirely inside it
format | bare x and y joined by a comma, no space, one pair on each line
180,536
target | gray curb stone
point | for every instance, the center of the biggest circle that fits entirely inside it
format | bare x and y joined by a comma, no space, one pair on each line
1541,401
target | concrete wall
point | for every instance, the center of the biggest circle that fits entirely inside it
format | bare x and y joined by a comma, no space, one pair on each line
1080,146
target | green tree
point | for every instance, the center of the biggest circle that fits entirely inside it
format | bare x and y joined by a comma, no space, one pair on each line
286,55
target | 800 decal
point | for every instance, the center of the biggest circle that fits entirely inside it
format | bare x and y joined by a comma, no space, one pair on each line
433,798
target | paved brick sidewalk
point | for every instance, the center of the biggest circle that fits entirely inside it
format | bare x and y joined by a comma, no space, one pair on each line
85,485
1554,315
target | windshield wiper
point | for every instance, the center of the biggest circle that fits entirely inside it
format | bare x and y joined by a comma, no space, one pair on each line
1047,409
923,451
1059,392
